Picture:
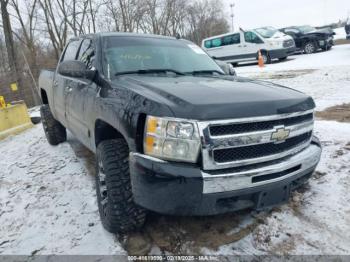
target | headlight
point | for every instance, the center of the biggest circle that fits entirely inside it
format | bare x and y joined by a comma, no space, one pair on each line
276,43
171,139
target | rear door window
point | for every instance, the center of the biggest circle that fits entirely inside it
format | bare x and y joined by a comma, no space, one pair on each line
231,39
207,44
216,42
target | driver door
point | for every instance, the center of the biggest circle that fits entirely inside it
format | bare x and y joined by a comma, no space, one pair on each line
252,44
77,96
62,84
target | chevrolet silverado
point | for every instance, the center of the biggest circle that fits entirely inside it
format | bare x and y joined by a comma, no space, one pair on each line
172,133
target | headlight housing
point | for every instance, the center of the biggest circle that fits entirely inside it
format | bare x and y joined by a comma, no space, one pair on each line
275,43
171,139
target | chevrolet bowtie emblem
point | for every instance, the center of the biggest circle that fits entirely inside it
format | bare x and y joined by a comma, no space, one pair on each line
280,134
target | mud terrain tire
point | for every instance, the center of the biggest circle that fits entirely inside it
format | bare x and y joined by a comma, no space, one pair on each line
55,132
118,212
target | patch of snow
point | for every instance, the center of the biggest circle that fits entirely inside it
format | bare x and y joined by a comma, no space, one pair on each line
338,56
339,33
48,201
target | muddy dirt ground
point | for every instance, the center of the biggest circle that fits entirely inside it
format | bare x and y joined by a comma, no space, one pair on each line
340,113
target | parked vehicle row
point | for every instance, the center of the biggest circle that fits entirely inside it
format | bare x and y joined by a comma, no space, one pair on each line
244,46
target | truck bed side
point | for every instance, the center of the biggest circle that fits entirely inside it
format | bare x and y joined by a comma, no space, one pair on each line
46,79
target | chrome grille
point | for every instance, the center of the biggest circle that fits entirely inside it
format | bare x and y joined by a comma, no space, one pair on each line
236,128
256,151
239,142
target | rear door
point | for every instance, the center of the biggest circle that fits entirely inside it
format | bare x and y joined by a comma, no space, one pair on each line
78,95
61,83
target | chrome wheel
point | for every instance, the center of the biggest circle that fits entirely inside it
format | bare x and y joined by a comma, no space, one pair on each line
309,48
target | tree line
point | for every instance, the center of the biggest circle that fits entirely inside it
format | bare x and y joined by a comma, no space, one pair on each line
33,33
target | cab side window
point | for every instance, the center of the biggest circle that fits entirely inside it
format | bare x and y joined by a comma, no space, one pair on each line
71,51
222,41
207,44
251,37
87,53
216,42
231,39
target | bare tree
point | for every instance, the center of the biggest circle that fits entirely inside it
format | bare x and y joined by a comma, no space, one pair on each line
27,21
10,46
206,18
56,25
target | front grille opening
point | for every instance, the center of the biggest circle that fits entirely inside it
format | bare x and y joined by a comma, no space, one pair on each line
262,178
261,150
231,129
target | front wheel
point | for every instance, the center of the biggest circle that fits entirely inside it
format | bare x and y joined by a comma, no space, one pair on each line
118,212
266,57
310,48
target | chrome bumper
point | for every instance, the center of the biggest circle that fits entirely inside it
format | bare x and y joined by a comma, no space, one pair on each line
304,160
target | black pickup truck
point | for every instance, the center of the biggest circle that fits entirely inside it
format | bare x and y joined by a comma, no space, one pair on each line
309,39
172,133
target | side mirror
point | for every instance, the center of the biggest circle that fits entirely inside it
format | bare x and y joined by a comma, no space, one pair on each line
77,69
226,67
232,71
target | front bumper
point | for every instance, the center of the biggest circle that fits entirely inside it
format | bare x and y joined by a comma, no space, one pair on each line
183,189
281,53
326,43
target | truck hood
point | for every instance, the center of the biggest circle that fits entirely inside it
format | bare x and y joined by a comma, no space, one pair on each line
280,36
209,98
321,32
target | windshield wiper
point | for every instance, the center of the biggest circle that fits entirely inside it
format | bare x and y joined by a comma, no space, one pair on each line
204,72
149,71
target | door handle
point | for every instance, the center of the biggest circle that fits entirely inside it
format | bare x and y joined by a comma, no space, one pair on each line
55,83
69,89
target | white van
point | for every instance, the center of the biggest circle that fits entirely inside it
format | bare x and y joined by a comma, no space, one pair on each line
243,46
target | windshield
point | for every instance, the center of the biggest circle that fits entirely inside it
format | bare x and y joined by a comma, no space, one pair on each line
149,54
266,32
306,29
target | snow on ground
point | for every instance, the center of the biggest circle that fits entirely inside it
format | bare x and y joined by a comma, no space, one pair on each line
338,56
48,206
327,81
47,200
339,33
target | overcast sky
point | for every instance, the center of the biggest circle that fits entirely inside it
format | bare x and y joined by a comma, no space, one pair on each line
281,13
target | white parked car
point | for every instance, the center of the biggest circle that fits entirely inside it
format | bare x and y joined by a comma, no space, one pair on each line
243,46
